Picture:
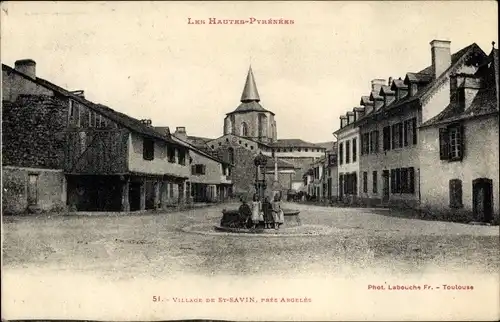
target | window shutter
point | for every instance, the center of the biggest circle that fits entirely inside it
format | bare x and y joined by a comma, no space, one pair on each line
376,140
405,133
462,141
193,169
393,181
411,180
414,129
203,169
398,180
400,130
444,149
387,139
404,180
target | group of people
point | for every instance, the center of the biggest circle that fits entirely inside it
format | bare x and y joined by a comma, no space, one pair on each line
268,214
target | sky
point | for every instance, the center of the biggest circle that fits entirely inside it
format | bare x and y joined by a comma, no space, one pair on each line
145,60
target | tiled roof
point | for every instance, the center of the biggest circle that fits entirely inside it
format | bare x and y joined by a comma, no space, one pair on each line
398,83
296,143
200,151
386,90
117,117
484,103
456,60
417,78
249,107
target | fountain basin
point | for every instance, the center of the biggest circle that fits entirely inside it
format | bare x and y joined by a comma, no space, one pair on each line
230,220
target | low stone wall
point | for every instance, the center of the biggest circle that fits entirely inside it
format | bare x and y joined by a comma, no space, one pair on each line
50,190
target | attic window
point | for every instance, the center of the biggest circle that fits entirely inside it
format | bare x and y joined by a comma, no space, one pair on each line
148,149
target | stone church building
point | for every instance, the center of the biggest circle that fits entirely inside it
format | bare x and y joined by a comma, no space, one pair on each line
251,129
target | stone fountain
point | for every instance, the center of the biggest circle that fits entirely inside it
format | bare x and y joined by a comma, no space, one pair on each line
231,220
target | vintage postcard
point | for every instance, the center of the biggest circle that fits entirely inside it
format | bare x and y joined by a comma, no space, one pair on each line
250,161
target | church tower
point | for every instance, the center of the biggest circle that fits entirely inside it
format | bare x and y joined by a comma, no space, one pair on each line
250,119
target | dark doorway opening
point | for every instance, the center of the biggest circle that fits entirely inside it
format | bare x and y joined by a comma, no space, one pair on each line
482,199
135,196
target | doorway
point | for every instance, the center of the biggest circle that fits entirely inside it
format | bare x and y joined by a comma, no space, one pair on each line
385,186
135,196
482,199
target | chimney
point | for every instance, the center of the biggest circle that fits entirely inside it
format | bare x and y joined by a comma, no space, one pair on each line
389,83
377,84
79,93
441,56
180,132
146,122
27,67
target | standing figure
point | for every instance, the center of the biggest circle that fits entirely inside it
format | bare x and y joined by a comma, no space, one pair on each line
244,213
277,212
256,209
268,213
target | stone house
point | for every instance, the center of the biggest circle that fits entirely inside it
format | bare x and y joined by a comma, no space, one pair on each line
389,166
348,156
59,149
209,179
459,148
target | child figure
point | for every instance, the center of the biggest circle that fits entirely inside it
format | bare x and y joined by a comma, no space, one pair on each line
256,209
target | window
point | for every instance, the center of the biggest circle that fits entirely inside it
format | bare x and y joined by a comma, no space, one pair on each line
365,182
374,142
341,153
251,147
354,150
244,129
402,180
365,147
374,182
182,156
198,169
171,154
456,193
332,160
451,143
32,189
387,138
347,151
306,149
171,189
148,149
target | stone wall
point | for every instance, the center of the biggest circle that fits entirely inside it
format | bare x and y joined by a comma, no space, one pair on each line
33,132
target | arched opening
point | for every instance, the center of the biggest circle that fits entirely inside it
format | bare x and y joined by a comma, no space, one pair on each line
262,126
244,129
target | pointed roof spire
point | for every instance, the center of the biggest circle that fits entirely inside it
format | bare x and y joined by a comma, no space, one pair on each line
250,92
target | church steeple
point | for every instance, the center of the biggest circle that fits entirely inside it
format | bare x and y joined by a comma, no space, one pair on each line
250,93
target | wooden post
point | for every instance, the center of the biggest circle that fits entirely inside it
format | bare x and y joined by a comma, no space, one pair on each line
125,195
157,194
143,195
